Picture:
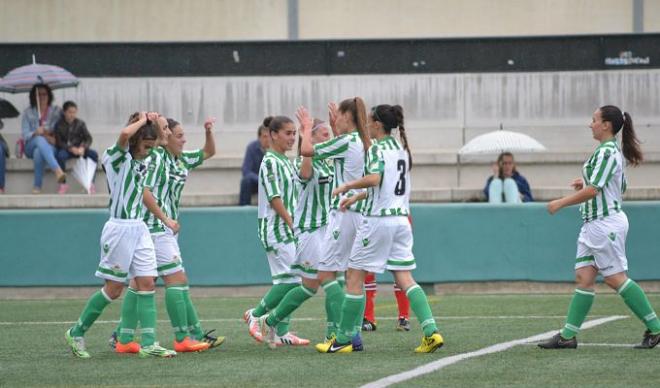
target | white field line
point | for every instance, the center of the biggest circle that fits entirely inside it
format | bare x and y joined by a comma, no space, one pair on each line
446,361
596,344
439,318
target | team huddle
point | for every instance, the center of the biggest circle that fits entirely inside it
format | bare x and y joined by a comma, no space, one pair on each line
342,207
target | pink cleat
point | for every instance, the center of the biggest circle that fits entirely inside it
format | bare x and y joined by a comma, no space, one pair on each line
253,326
63,188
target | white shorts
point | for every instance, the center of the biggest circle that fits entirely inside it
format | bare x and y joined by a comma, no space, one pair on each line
309,250
338,241
602,244
383,243
281,256
168,254
126,251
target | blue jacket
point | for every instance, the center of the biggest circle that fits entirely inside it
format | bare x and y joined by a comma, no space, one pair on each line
521,182
252,160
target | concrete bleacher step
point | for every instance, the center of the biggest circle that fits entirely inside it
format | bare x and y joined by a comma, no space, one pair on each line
430,169
423,195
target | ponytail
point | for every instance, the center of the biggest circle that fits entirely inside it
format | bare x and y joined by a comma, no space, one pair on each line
621,121
630,144
359,112
398,114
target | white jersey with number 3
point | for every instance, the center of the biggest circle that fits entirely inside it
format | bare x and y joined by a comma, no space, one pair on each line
388,158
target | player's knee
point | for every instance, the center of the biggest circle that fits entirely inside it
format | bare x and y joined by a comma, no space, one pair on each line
113,289
146,283
584,281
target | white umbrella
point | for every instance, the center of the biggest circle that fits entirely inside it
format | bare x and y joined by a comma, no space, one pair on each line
499,141
83,171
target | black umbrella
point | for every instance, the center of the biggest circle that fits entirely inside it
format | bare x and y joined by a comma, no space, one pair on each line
7,110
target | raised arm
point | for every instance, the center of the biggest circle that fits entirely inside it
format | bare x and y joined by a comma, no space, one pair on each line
209,143
305,120
131,129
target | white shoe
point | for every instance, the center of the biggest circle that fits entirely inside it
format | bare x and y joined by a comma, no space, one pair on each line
267,332
253,325
290,339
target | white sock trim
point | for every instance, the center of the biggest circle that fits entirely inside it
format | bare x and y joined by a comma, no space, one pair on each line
624,286
108,298
584,292
146,292
351,296
325,286
412,288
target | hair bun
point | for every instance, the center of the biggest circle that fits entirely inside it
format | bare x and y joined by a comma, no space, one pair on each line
267,121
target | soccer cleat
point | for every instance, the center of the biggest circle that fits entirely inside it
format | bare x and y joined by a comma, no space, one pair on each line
334,347
131,347
190,345
112,341
156,350
649,341
290,339
402,324
356,341
558,342
430,344
268,333
367,325
77,345
253,326
212,340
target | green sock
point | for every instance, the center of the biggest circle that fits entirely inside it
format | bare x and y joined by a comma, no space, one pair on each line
194,325
334,297
360,317
176,309
577,312
420,306
94,307
129,319
291,301
349,310
282,327
273,298
637,301
147,316
341,279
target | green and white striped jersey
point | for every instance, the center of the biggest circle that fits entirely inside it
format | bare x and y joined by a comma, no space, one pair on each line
313,203
347,153
157,182
166,178
180,167
125,178
277,178
388,158
604,170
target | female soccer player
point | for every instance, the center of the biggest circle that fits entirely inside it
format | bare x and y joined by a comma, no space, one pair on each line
601,245
347,152
310,220
277,201
126,247
384,239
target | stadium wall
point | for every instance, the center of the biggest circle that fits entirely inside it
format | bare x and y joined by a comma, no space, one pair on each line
453,243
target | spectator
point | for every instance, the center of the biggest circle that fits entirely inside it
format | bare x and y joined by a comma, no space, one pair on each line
4,153
506,184
72,140
37,131
251,162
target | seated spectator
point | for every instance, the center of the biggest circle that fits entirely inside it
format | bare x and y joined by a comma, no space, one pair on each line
72,140
251,162
506,184
37,131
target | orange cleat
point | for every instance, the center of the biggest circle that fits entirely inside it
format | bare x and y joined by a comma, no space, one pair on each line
131,347
190,345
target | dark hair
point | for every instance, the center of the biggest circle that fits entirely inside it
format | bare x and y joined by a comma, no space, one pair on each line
262,128
500,159
621,121
33,94
69,104
149,131
274,124
172,123
391,116
358,110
